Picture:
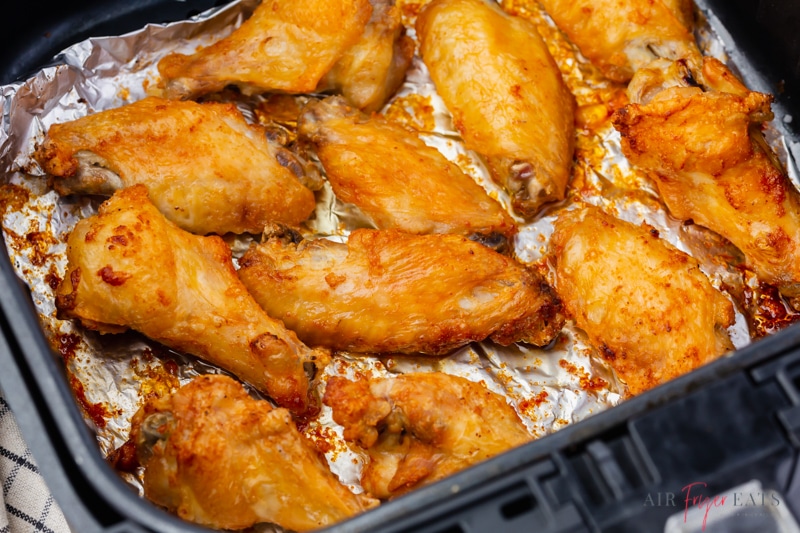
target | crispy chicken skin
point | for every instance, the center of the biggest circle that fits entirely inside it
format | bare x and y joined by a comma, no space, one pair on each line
129,267
711,164
506,95
371,71
205,168
645,306
284,46
419,428
622,36
217,457
389,291
395,178
683,11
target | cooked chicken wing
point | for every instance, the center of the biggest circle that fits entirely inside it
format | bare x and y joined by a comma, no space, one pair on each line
129,267
371,71
506,95
622,36
645,306
217,457
683,11
712,165
395,178
419,428
389,291
284,46
205,168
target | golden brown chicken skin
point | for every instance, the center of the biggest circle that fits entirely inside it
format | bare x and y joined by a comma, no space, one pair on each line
622,36
205,168
129,267
713,166
419,428
389,291
395,178
506,95
646,306
683,11
284,46
217,457
370,72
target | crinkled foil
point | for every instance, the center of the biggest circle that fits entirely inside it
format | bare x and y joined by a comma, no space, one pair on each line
550,388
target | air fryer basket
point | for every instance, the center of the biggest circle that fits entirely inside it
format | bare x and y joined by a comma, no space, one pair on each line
732,424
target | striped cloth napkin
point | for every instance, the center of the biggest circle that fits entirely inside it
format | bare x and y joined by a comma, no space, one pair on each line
26,504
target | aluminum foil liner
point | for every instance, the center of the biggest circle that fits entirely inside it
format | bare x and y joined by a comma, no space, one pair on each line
550,388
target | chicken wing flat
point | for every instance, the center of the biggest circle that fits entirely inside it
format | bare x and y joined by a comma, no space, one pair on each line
506,95
284,46
205,168
389,291
645,306
128,267
419,428
371,71
217,457
395,178
622,36
713,166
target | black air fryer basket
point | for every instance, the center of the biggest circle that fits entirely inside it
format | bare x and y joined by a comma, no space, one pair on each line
730,427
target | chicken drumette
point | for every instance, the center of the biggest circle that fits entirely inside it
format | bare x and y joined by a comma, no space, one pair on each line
217,457
129,267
